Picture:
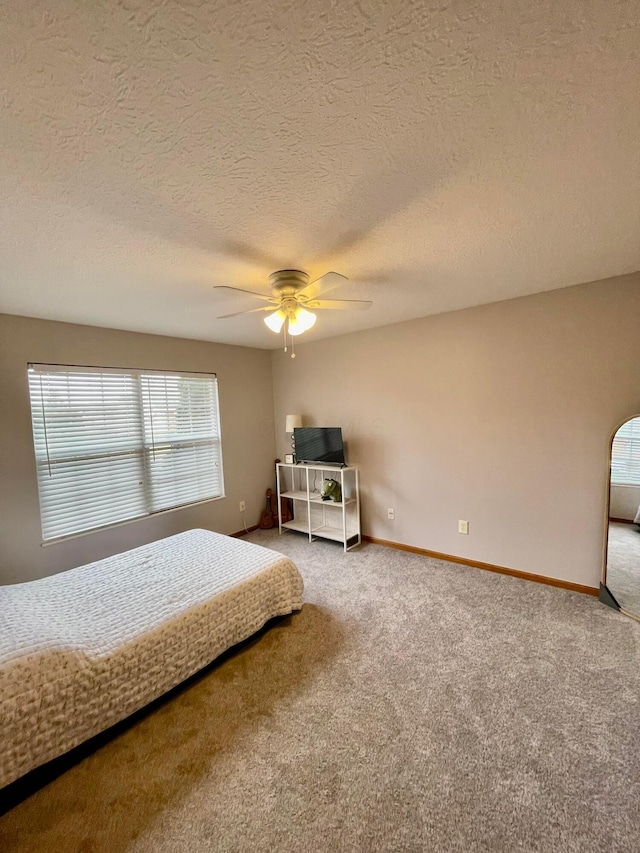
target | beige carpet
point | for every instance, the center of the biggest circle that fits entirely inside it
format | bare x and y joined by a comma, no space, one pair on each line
412,705
623,565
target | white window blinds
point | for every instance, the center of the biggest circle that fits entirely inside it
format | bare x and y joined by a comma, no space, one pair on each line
625,455
113,445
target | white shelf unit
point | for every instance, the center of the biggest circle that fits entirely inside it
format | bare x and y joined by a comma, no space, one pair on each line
336,520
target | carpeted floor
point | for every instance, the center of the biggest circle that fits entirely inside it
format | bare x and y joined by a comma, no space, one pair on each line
623,565
412,705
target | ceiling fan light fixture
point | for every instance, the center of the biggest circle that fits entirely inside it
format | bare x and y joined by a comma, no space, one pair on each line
291,296
276,320
301,321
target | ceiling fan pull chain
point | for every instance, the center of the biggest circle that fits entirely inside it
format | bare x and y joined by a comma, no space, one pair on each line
293,348
284,332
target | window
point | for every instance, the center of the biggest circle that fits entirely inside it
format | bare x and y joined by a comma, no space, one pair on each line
625,455
113,445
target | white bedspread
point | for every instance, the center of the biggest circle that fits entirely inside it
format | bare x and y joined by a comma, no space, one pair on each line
83,649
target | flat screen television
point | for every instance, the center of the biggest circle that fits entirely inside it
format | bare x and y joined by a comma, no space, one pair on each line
319,444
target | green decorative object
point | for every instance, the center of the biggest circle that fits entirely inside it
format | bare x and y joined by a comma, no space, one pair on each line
331,491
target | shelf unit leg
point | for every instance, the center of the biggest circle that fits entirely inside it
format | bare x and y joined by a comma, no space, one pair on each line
309,507
344,511
278,490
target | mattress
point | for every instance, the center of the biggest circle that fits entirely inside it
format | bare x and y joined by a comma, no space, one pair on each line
81,650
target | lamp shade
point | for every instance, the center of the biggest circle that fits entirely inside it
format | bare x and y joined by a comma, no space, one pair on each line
293,422
274,321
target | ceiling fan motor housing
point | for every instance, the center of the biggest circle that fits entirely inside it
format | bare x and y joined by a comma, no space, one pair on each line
288,282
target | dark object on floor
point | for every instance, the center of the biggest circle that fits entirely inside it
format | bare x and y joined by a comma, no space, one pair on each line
266,519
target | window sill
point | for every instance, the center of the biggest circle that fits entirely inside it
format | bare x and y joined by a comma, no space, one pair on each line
58,540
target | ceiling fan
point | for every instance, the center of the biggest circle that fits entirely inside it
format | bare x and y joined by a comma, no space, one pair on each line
292,297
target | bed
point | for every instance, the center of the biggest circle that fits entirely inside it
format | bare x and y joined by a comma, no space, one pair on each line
82,650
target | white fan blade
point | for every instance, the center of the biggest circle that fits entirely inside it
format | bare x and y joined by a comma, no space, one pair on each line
250,311
339,304
324,284
248,292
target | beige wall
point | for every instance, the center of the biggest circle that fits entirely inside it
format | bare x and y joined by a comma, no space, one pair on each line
246,405
500,415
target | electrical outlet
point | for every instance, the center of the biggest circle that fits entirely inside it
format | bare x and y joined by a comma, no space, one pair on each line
242,506
391,514
463,527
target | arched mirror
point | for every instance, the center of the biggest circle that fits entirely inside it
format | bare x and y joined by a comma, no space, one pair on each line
622,569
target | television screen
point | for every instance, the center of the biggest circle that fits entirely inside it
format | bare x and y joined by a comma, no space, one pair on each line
319,444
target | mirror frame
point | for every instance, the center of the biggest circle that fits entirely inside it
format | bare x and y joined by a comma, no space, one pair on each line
605,595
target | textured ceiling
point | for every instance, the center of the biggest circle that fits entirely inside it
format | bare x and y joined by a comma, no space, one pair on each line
440,154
